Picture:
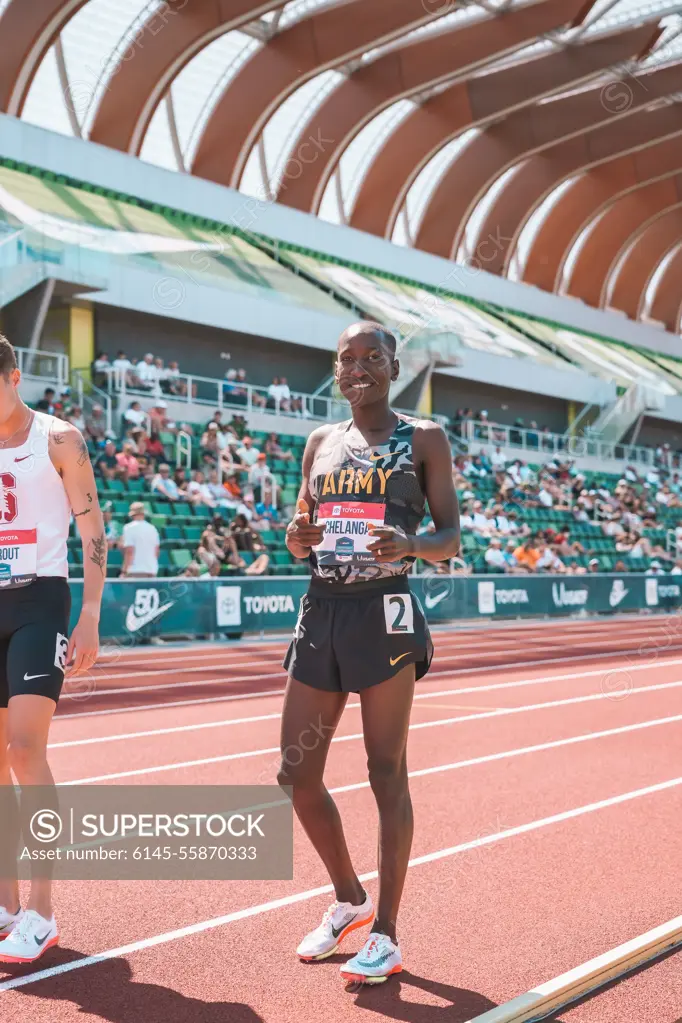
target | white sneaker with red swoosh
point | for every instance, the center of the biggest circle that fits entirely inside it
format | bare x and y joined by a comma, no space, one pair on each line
8,921
29,939
379,959
339,920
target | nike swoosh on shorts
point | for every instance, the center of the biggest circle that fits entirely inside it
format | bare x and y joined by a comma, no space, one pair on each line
27,678
394,660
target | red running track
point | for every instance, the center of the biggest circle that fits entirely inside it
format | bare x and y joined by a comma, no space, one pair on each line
547,798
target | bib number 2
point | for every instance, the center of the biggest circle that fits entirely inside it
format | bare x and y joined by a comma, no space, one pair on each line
399,613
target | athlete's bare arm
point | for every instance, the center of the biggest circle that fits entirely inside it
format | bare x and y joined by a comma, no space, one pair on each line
70,457
302,534
431,449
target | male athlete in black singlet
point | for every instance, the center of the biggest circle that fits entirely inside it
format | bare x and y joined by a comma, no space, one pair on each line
365,486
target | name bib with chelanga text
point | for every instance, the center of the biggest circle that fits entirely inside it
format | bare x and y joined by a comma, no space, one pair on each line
18,557
346,532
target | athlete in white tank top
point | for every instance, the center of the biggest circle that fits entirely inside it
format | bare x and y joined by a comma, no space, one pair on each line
45,476
34,509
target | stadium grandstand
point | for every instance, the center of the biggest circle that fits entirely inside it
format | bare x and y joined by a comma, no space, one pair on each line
198,197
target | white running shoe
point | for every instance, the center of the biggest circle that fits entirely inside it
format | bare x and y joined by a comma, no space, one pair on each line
339,920
8,921
31,936
379,959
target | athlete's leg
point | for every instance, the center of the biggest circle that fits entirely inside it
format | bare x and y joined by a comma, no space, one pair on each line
309,720
9,814
385,718
28,723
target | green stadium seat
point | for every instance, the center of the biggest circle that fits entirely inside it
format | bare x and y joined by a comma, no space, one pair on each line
158,520
180,559
191,533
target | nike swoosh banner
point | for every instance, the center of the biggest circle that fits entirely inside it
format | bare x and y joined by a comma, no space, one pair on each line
187,608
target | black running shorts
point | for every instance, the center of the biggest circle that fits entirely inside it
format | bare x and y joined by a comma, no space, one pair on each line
349,637
34,629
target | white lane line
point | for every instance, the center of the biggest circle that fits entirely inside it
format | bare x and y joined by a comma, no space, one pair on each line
312,893
441,722
493,686
432,674
171,670
490,758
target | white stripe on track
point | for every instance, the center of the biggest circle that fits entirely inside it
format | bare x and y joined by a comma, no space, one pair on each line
312,893
479,716
476,651
432,674
356,705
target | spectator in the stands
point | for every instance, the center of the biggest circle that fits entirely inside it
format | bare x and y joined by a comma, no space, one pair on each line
135,415
548,560
279,394
147,373
217,490
218,547
47,402
266,514
96,426
237,425
655,568
164,484
248,539
677,567
172,384
232,392
199,491
527,554
494,556
106,464
101,369
232,487
274,450
620,566
154,449
497,459
248,452
127,465
258,399
76,418
297,408
123,370
259,473
158,417
473,517
593,565
140,544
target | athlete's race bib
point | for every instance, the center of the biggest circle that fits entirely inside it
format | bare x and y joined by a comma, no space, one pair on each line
18,557
346,532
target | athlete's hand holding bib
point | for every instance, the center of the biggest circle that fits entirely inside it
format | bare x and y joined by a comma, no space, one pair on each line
302,534
391,544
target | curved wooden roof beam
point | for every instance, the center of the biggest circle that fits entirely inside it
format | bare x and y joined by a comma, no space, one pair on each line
518,136
605,148
599,252
324,39
629,283
403,72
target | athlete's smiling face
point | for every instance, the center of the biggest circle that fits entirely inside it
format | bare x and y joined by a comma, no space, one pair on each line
365,364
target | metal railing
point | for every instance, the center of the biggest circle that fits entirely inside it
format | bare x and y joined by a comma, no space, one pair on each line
537,443
36,364
89,395
192,389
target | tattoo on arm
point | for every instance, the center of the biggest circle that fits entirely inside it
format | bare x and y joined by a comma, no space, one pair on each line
89,497
99,552
58,438
77,515
83,453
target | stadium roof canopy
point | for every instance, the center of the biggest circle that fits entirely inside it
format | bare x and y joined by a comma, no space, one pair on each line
539,139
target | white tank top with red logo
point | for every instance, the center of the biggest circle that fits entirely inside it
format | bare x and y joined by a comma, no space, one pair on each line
34,510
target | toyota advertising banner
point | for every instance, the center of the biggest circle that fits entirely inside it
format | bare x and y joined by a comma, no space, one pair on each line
140,610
